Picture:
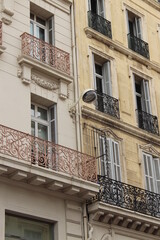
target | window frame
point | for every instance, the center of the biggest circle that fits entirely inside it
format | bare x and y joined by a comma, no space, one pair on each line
46,27
47,122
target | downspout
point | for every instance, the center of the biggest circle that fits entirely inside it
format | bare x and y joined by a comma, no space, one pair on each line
76,81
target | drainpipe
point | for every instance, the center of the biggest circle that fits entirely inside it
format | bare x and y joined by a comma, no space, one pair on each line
76,81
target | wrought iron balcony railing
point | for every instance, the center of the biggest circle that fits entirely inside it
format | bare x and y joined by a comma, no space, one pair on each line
127,196
148,122
138,45
0,33
99,24
46,53
35,151
107,104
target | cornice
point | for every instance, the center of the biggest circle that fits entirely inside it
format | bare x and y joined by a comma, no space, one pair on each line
112,122
122,49
153,3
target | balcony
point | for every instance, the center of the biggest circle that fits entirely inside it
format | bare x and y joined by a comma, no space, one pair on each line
129,197
45,53
99,24
28,157
138,45
108,105
126,206
148,122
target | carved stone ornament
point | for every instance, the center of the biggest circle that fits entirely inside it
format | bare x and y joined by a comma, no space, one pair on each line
43,83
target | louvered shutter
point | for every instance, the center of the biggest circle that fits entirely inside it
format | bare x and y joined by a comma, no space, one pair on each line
148,169
157,173
107,78
146,103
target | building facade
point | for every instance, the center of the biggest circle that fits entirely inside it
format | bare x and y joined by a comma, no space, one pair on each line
118,46
44,180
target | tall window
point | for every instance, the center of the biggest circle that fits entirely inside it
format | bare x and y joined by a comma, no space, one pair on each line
43,122
97,7
41,28
143,102
18,228
152,172
134,25
110,158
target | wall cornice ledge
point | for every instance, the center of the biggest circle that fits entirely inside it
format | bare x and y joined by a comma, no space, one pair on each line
118,124
122,49
153,3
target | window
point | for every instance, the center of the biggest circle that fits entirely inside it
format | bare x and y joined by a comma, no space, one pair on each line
102,79
143,102
41,28
97,7
110,148
43,122
19,228
152,173
134,25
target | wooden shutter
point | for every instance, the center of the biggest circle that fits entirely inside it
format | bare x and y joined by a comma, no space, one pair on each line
51,31
101,8
116,161
146,103
138,31
156,162
149,174
107,78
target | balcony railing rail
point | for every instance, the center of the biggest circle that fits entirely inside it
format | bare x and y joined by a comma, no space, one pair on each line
127,196
99,24
108,104
148,122
138,45
45,52
0,33
49,155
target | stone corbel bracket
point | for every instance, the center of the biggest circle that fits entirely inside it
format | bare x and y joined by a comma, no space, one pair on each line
7,11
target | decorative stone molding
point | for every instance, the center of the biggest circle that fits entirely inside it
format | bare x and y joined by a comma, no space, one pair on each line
63,90
106,237
90,232
150,149
43,83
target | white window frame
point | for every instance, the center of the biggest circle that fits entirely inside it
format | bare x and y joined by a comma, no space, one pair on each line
152,177
47,122
46,27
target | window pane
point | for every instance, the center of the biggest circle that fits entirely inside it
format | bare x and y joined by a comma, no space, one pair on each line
40,33
31,28
21,228
50,37
50,24
94,6
42,131
32,16
32,110
98,69
41,21
33,128
42,113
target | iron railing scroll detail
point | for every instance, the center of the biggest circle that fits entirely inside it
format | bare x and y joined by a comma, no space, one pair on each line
138,45
148,122
99,24
127,196
45,53
35,151
108,104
